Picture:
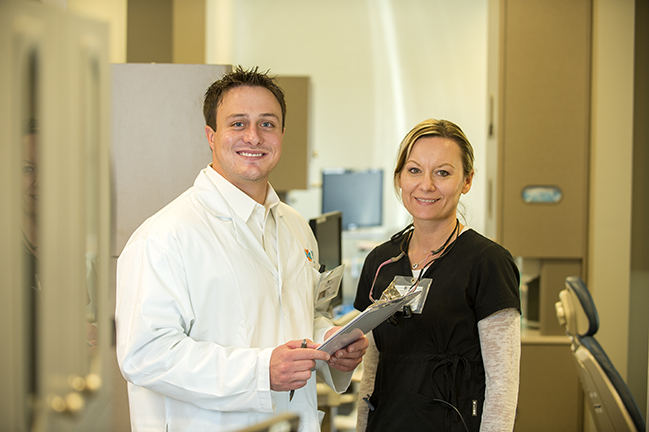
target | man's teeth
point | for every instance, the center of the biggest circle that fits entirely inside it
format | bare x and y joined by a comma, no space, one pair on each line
246,154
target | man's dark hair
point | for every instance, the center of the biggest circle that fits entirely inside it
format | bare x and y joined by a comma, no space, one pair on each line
237,78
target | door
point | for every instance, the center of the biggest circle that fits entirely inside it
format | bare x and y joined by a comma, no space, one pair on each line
54,221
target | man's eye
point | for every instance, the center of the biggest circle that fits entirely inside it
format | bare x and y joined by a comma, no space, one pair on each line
237,124
267,124
28,169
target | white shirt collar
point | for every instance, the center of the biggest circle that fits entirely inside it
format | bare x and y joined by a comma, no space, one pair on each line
238,200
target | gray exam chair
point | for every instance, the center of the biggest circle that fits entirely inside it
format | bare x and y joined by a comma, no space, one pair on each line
610,402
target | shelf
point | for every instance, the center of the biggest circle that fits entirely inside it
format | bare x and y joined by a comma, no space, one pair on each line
531,336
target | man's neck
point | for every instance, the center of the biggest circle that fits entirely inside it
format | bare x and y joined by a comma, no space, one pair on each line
255,190
258,195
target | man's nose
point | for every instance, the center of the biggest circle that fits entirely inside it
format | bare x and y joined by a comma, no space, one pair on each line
252,136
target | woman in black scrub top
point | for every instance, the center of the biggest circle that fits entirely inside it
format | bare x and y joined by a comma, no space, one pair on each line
454,364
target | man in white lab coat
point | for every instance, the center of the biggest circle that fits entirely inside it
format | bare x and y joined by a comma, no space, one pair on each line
216,291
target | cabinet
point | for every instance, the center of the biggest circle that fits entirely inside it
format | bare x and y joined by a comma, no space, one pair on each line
550,396
539,92
538,138
292,171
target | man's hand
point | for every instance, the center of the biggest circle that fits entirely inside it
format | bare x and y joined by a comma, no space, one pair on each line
291,366
346,359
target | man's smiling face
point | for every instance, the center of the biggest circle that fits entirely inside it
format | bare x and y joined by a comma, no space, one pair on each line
247,143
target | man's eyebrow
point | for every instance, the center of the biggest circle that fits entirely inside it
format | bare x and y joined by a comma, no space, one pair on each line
231,116
242,115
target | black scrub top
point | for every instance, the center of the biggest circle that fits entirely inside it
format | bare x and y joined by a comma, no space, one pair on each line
430,364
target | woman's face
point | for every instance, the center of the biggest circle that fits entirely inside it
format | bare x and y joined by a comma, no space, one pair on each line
432,180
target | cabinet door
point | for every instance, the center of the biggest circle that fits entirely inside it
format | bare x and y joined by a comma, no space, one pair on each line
544,129
550,397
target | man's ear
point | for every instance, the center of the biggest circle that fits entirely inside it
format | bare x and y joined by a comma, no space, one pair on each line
209,133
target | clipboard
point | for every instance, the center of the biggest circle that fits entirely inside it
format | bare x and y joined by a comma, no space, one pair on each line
364,322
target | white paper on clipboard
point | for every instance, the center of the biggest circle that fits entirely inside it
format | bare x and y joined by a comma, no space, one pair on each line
364,322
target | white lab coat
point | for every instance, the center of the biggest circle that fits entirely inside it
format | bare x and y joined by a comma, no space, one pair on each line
200,307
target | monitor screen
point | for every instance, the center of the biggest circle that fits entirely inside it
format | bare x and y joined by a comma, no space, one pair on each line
327,230
357,194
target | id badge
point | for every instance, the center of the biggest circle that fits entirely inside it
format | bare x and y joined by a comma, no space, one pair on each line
329,284
404,284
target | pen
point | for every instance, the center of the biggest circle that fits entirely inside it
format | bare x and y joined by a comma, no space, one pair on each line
290,396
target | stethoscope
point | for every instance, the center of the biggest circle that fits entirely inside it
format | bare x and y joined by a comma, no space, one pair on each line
407,233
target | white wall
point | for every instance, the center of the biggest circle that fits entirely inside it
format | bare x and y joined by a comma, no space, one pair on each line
377,68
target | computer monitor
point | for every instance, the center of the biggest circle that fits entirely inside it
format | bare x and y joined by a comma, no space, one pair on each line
327,229
357,194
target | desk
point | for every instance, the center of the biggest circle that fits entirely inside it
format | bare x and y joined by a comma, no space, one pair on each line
550,397
329,401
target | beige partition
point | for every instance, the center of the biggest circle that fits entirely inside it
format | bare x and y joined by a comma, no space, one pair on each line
158,137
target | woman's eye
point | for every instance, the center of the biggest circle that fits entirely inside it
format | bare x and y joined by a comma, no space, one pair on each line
28,169
443,173
414,170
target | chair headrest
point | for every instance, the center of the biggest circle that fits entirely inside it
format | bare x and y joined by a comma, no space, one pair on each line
576,309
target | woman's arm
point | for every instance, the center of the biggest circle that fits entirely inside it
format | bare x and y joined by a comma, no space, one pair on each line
500,342
366,388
